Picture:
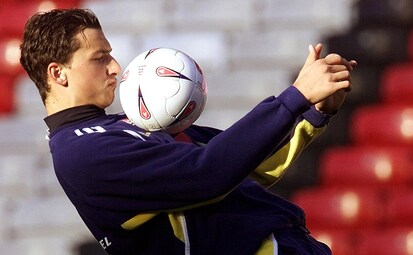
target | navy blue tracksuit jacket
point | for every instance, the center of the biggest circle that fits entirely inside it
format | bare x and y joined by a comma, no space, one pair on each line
147,193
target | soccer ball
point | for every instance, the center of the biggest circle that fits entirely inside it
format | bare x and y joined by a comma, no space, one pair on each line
163,89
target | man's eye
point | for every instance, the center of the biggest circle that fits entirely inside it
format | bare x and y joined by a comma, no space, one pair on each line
101,59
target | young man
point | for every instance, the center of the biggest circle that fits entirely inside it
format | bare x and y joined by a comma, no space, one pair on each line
147,193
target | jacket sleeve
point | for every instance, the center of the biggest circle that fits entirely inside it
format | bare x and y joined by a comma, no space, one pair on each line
273,168
311,125
153,174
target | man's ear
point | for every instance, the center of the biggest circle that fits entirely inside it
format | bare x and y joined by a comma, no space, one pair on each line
56,72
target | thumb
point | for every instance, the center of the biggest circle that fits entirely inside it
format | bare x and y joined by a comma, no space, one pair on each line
314,53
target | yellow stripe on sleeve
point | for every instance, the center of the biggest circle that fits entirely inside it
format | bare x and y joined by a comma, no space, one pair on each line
268,247
141,218
272,169
137,220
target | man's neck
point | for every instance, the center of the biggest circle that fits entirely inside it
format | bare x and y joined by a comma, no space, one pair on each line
53,106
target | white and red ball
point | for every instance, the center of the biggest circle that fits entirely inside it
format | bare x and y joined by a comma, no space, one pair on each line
163,89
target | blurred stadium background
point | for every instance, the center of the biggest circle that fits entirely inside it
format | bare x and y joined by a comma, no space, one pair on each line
355,182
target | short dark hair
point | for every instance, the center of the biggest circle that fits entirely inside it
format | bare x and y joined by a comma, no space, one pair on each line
51,37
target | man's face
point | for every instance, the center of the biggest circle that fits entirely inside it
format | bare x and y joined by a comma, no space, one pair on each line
92,70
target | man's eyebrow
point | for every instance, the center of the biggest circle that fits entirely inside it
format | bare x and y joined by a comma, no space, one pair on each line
102,51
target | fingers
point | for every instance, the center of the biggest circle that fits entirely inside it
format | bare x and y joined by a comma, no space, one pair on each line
340,76
318,49
341,79
338,68
344,85
335,59
321,78
338,72
353,63
350,65
314,53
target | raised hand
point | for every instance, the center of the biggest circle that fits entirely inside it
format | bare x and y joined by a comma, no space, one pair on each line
321,78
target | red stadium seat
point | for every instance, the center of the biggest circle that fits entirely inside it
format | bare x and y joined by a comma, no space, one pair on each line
8,2
328,207
386,124
367,166
397,83
341,242
7,99
399,207
14,14
393,241
10,56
